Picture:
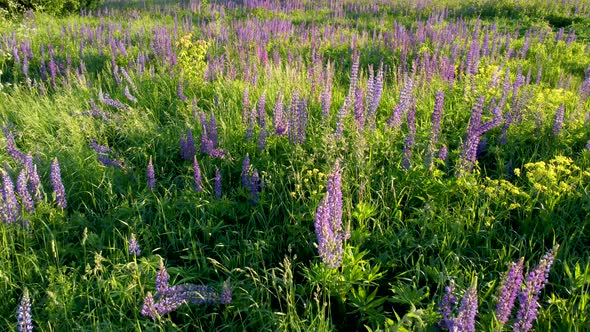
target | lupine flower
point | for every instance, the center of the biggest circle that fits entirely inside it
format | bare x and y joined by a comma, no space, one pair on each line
197,175
448,302
129,96
107,100
328,221
101,149
212,132
151,178
109,162
465,321
187,145
588,145
11,207
58,187
254,186
340,118
34,180
11,148
24,316
226,293
510,289
246,171
354,71
279,123
162,277
262,139
23,192
529,296
169,298
180,93
558,120
133,246
217,183
442,153
359,112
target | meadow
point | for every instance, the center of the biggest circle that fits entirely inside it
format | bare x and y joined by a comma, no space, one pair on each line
296,165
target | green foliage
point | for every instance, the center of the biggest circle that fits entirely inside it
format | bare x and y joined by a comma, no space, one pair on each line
53,7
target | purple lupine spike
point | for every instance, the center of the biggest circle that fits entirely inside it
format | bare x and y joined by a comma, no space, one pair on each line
354,71
359,112
180,92
197,175
558,120
217,183
340,118
148,307
100,149
446,306
529,296
226,293
469,152
328,221
377,94
370,91
465,321
151,177
128,79
11,148
107,100
588,145
162,277
34,180
11,207
254,186
116,75
187,145
58,187
23,192
262,139
279,122
395,120
129,96
442,153
213,130
510,289
246,171
24,316
133,246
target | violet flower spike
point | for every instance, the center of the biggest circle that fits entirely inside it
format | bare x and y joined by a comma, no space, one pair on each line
197,175
134,249
58,187
529,296
217,183
10,209
465,321
510,289
151,178
23,192
24,316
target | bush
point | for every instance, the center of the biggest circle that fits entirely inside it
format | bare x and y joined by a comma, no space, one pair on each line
54,7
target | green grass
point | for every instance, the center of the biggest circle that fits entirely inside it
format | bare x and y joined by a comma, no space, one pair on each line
412,231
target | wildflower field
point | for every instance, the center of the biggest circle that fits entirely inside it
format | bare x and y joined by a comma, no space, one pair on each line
296,165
